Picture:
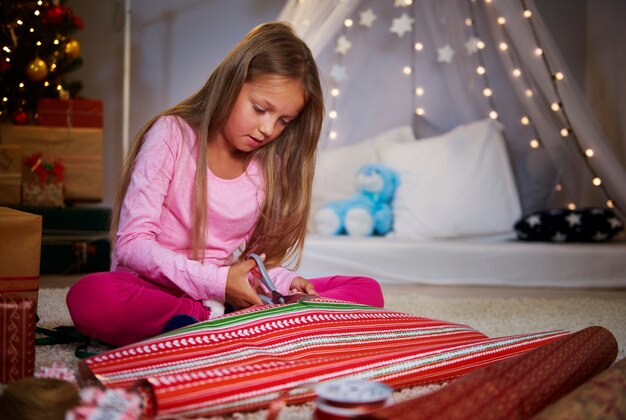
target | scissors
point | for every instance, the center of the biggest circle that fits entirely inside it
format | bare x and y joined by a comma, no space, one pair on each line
276,297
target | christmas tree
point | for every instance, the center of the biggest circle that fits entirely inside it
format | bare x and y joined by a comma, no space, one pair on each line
38,50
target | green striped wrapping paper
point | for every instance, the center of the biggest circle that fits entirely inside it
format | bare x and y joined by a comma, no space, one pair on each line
245,360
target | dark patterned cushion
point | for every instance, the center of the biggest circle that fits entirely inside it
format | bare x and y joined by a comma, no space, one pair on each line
562,225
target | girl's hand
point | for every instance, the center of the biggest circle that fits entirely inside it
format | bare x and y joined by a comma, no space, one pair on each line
300,285
239,292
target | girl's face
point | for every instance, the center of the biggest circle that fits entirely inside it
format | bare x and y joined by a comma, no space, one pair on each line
262,111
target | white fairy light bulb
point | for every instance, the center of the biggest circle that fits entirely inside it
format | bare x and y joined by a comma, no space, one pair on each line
534,143
348,23
564,132
538,52
332,114
37,12
38,43
528,93
571,206
334,92
19,22
596,181
46,83
525,120
558,187
419,91
420,111
407,70
332,135
31,30
7,49
517,72
610,204
555,106
558,76
527,14
468,22
504,46
487,1
59,87
408,2
480,70
493,115
487,92
501,20
418,46
21,85
480,45
589,153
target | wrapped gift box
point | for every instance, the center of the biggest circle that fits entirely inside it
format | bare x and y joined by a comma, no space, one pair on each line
17,338
78,149
20,250
10,174
75,239
70,112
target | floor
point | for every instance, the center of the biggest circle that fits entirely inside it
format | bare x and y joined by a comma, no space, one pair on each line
58,281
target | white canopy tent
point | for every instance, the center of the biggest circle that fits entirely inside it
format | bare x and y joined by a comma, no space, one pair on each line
421,63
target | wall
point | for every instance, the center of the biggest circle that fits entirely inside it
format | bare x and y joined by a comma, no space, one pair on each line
176,43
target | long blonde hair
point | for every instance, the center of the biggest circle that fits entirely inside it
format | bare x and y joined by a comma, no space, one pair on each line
288,162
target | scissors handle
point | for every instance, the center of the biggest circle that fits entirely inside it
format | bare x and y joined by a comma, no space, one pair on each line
265,278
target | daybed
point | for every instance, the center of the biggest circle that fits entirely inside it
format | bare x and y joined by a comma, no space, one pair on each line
454,215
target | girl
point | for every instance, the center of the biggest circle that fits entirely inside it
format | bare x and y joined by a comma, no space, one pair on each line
225,173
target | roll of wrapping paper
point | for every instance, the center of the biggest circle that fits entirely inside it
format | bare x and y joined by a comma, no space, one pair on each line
601,397
518,387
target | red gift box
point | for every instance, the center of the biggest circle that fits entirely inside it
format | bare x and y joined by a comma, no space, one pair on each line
70,112
17,338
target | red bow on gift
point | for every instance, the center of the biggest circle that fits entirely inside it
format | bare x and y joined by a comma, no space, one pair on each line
45,168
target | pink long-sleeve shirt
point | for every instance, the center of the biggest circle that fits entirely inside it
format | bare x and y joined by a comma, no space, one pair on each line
156,219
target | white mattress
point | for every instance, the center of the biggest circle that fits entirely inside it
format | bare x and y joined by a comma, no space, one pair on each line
494,261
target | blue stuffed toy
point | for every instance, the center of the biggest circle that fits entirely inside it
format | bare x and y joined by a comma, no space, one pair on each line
366,213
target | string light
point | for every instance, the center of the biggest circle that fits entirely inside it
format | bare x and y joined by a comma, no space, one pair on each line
480,70
538,52
407,70
334,92
558,76
418,46
589,153
420,111
332,114
348,23
419,91
517,72
555,106
564,132
534,143
525,120
596,181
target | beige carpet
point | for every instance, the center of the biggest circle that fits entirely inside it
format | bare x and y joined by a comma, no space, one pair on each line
494,316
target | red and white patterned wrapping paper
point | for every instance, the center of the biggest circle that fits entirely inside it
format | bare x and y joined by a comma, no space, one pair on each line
17,338
247,359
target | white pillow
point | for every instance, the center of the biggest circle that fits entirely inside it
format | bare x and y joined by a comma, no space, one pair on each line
336,169
456,184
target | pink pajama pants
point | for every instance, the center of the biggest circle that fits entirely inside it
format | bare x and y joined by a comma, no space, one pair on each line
119,308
